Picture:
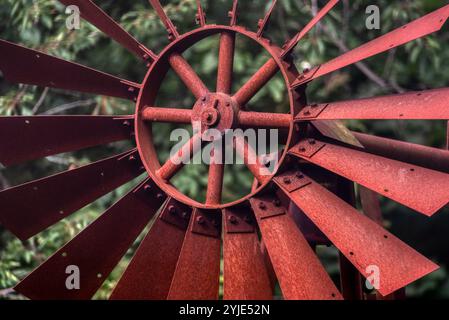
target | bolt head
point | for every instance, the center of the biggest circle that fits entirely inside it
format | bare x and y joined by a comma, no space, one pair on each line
233,220
277,202
287,180
200,220
262,206
172,209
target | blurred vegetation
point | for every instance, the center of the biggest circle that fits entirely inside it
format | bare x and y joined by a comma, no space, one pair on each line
40,24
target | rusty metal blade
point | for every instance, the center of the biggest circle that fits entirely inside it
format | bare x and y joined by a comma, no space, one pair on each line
95,251
150,272
233,13
421,189
29,138
367,245
172,32
32,207
416,29
23,65
428,157
300,273
294,41
425,105
245,272
96,16
198,269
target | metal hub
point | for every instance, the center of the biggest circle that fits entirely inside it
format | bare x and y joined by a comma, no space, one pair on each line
216,111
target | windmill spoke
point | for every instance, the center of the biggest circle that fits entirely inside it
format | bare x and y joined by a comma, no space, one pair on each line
425,105
180,158
361,240
256,82
294,41
169,115
92,13
225,62
300,273
95,251
233,13
421,189
419,28
23,65
215,180
158,253
188,75
263,22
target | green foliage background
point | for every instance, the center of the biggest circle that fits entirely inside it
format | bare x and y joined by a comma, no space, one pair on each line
40,24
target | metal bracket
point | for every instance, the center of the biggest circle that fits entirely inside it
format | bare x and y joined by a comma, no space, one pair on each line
307,148
175,213
305,77
238,220
267,206
292,181
311,112
206,224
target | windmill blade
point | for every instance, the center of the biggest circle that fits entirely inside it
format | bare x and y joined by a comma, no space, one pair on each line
323,12
262,24
366,244
428,157
23,65
171,29
92,13
197,273
300,273
32,207
95,251
150,272
421,189
416,29
29,138
200,17
245,272
424,105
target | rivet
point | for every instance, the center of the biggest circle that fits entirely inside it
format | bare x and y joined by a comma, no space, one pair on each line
307,113
200,220
160,195
203,99
315,105
247,219
147,188
262,206
287,180
172,209
184,215
312,141
277,202
126,123
302,149
299,175
132,158
233,220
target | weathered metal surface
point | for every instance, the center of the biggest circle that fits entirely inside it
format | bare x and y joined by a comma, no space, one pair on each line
264,119
300,273
188,75
150,272
215,178
432,158
23,65
416,29
245,273
294,41
421,189
225,62
233,13
360,239
32,207
28,138
430,104
169,115
198,270
251,160
92,13
256,82
200,17
171,29
262,23
95,251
